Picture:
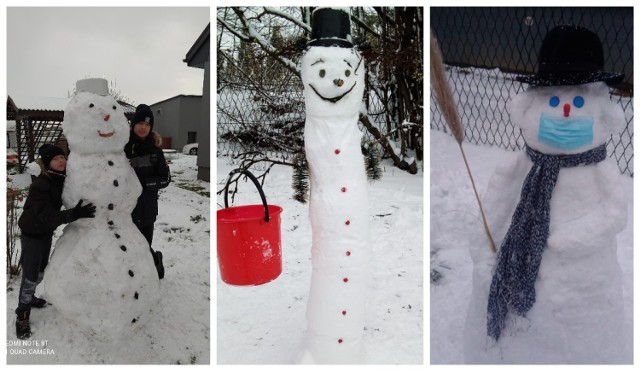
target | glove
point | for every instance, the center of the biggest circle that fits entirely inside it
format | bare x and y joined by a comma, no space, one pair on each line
86,211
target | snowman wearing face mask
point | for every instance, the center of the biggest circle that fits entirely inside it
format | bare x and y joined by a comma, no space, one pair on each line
553,293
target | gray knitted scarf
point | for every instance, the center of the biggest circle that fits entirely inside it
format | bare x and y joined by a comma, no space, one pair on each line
518,261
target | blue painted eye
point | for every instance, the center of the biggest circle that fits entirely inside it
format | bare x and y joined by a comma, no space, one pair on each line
554,101
578,101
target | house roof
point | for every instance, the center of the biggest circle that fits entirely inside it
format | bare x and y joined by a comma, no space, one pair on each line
176,97
199,52
34,103
51,104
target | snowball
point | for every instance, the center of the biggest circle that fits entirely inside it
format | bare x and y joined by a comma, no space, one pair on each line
33,169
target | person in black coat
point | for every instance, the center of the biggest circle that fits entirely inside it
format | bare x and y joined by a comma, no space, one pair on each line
40,217
147,159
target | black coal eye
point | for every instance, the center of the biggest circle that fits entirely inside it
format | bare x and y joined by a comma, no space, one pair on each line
322,73
90,105
114,107
347,73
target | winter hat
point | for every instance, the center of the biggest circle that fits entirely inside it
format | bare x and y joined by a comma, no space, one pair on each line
331,27
47,152
570,55
143,114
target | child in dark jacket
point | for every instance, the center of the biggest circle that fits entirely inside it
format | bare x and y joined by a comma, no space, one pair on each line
147,159
40,217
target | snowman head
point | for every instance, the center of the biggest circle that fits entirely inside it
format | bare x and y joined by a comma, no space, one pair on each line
566,119
332,71
94,122
568,109
333,79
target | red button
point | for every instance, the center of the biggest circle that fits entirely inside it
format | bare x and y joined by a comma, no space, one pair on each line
348,253
345,279
337,151
343,189
347,222
340,341
344,312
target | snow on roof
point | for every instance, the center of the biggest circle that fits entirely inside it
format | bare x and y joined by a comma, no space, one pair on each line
39,103
35,103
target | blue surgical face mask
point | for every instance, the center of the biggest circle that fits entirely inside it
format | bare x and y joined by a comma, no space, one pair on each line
565,133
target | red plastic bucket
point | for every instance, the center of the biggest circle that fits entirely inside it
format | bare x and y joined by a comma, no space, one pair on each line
249,243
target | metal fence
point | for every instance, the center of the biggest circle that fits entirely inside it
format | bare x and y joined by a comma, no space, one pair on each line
270,118
486,48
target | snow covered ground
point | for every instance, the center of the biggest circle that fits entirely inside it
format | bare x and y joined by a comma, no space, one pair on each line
179,330
265,324
455,220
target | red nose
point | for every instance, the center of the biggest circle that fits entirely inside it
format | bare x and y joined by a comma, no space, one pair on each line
106,118
567,109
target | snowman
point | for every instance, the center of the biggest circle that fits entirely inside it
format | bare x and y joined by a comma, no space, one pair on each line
553,292
332,72
101,275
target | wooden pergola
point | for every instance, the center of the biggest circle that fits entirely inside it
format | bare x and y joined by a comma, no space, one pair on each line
38,123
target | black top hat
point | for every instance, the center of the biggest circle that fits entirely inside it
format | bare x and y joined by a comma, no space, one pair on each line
330,27
570,55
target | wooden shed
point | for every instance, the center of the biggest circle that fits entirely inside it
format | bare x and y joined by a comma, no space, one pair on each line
38,122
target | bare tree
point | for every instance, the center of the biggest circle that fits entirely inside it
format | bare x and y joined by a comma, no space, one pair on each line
261,47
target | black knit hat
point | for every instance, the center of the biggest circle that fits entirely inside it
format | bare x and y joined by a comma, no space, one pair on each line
331,27
570,55
143,114
47,152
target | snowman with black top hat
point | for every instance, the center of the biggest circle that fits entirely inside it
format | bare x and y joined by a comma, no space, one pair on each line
333,72
553,293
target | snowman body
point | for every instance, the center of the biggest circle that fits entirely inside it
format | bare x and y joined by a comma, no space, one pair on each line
578,313
101,274
333,81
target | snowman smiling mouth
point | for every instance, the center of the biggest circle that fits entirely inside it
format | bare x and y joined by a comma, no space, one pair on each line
105,135
334,99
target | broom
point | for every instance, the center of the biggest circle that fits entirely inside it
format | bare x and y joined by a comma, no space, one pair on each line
448,109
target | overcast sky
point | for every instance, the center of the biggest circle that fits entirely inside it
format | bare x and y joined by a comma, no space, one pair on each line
139,49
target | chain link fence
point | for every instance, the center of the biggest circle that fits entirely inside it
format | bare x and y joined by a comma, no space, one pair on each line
270,118
486,48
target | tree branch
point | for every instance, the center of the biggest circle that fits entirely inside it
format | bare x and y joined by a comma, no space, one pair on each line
383,15
254,36
368,29
248,160
226,25
289,17
364,119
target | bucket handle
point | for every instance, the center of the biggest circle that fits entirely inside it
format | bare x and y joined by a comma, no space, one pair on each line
255,181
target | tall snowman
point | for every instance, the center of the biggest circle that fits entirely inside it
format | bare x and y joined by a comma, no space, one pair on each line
553,293
101,275
332,72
